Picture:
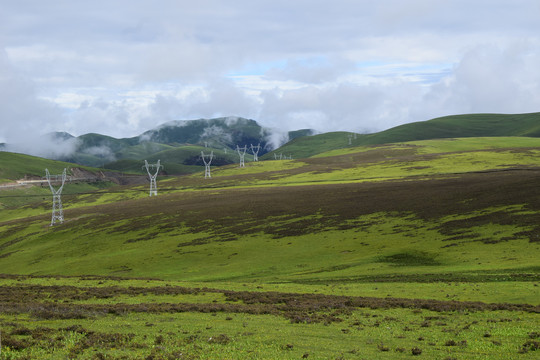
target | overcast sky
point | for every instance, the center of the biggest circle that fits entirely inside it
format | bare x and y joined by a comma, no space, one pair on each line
120,67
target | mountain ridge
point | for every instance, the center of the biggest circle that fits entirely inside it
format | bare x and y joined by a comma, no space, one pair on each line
225,133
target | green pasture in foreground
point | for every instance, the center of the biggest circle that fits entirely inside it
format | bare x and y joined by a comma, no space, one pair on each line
80,318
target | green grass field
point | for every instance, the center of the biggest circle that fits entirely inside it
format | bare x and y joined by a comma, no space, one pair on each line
15,166
423,249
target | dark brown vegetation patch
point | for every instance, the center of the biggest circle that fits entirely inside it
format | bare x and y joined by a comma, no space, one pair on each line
56,302
235,212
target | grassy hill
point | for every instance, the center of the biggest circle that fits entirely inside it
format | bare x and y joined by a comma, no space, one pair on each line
387,251
273,203
142,150
180,137
455,126
219,132
179,160
306,146
15,166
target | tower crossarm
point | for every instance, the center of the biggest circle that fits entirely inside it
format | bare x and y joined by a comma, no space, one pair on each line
207,159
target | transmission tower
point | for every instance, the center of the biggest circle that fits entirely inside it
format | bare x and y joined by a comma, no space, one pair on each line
350,138
57,212
255,151
153,185
241,153
207,159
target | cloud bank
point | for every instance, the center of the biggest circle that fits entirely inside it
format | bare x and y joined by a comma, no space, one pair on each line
120,68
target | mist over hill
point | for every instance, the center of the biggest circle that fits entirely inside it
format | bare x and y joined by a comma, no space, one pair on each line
98,150
182,141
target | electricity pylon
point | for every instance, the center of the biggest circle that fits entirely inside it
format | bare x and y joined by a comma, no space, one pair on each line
241,153
57,212
153,184
255,151
207,163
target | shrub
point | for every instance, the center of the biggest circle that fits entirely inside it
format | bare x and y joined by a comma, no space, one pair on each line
221,339
529,345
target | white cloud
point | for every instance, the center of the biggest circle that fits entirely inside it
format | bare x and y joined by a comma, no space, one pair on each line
490,79
313,70
22,113
123,67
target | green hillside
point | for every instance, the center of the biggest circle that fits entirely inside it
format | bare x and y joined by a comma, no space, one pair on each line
219,132
15,166
142,150
422,249
456,126
178,160
273,203
306,146
177,136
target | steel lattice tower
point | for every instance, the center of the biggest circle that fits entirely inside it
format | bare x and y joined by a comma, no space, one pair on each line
242,153
207,163
255,151
153,184
57,211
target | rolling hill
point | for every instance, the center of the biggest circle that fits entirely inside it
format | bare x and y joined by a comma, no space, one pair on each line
18,166
479,202
458,126
455,126
427,247
182,138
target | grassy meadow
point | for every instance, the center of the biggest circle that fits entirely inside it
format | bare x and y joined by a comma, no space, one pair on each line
423,249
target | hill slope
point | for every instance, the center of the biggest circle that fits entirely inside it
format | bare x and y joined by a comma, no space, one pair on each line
411,210
456,126
218,134
421,248
15,166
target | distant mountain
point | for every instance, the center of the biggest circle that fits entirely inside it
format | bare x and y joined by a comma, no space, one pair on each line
177,143
228,131
59,136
